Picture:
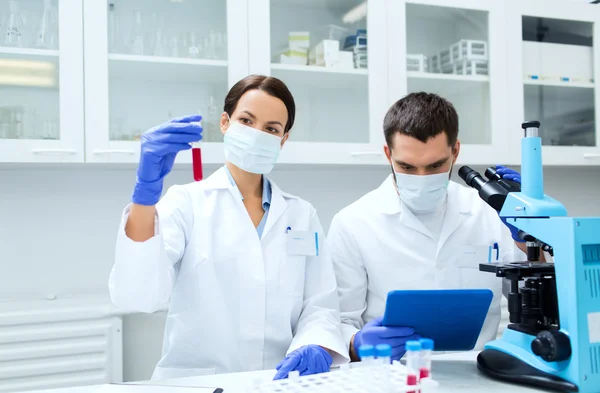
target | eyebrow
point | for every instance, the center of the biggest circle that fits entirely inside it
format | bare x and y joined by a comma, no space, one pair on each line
269,122
438,162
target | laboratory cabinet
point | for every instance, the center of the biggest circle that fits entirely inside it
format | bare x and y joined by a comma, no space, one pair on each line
345,61
552,78
41,81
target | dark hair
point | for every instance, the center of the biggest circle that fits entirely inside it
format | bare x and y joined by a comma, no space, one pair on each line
421,116
270,85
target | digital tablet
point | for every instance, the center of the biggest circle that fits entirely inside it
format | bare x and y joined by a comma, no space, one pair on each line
452,318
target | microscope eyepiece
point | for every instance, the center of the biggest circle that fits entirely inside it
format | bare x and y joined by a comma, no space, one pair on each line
471,177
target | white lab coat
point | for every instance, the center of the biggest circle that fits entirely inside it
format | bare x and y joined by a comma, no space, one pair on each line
236,302
378,245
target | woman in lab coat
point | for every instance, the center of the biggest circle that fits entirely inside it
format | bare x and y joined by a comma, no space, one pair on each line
241,265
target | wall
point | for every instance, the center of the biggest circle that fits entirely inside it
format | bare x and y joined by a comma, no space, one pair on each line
58,223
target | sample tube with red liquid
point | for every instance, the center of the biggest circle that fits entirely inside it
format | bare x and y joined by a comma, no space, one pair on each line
425,364
197,161
413,362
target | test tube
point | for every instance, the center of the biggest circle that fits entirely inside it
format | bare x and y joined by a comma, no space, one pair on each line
367,354
425,363
384,353
413,348
197,161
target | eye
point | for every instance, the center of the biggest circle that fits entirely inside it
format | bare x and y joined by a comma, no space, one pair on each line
406,167
273,130
436,166
245,120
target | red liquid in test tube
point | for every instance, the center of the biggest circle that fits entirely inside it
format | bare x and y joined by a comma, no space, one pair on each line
197,161
411,379
424,373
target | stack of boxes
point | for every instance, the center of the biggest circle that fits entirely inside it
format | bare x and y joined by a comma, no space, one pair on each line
297,50
357,45
327,53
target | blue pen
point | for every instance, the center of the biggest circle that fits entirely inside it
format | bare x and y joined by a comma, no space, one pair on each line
288,229
497,248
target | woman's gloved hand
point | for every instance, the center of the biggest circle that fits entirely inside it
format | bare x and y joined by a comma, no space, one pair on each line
374,333
160,145
510,174
309,359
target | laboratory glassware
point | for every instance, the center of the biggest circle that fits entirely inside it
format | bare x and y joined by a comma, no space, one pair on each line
137,35
14,26
114,29
194,48
47,36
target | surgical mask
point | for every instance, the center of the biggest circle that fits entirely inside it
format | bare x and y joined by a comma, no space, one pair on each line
251,150
423,194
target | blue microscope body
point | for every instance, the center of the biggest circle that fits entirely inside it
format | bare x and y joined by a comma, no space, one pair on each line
553,341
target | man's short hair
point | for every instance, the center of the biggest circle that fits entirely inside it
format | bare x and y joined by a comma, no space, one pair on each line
422,116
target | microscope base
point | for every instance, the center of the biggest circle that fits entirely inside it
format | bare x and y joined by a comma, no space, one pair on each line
505,367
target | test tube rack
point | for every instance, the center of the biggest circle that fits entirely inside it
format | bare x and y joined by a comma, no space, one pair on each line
358,379
465,57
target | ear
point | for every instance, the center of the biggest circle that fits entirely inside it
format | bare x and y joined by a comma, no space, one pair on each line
285,138
456,150
224,122
388,153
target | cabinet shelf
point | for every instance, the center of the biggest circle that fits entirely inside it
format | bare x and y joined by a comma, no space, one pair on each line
27,52
533,82
316,76
167,69
446,85
448,77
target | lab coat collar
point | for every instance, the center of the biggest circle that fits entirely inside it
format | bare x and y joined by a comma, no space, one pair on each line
456,209
220,180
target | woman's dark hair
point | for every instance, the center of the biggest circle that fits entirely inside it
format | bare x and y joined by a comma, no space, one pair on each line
270,85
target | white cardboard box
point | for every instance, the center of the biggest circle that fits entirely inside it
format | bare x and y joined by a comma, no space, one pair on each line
327,53
550,61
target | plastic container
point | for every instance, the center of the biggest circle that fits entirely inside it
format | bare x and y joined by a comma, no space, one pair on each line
417,63
469,50
470,67
366,354
332,32
425,358
384,353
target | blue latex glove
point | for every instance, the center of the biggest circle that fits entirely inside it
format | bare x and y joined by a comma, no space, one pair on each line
309,359
160,145
374,333
510,174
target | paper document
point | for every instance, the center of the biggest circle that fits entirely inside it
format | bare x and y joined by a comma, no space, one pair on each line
139,388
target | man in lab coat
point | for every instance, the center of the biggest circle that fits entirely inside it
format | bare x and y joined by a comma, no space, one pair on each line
418,230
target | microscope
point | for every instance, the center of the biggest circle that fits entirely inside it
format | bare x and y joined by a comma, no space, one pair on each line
553,339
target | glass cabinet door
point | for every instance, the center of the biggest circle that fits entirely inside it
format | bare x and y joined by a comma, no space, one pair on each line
448,53
166,59
319,49
41,81
558,80
553,77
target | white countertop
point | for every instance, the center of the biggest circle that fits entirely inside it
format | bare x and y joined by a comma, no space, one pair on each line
456,373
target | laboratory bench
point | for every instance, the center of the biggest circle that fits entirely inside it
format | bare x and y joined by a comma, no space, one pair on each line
456,373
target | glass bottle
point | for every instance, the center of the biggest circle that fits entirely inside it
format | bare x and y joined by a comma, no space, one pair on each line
137,35
15,26
47,37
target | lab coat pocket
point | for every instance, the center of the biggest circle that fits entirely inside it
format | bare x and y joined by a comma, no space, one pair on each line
161,373
470,275
291,274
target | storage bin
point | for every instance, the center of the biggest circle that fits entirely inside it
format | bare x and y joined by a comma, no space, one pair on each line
417,63
557,62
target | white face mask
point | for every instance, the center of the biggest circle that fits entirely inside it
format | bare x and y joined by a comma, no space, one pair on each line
251,150
423,194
